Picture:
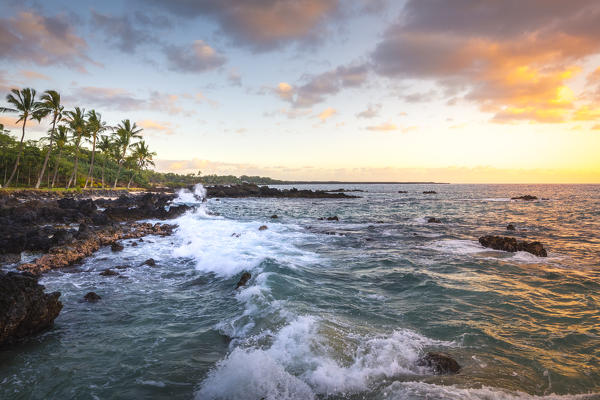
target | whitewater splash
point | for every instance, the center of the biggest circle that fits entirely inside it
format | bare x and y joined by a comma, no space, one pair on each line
186,196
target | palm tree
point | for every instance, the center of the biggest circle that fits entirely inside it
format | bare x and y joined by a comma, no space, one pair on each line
142,157
95,126
61,138
23,102
51,105
78,126
106,146
126,132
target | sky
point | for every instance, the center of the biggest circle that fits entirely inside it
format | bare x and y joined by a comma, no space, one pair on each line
462,91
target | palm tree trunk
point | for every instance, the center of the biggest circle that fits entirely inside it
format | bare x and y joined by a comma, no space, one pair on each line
39,181
91,171
74,174
130,180
118,173
103,166
56,167
14,171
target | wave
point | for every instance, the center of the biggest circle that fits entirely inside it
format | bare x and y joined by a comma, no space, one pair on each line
308,359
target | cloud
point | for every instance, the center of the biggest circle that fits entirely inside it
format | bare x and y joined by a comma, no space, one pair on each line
157,126
198,57
260,24
42,40
121,31
513,58
234,77
318,87
32,75
384,127
122,100
327,113
371,112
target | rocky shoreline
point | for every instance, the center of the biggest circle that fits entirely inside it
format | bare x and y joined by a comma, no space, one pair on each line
251,190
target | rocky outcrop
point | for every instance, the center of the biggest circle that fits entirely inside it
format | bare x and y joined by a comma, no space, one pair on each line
243,279
334,218
512,245
63,256
149,262
440,363
430,192
263,228
92,297
434,220
251,190
527,197
510,227
25,309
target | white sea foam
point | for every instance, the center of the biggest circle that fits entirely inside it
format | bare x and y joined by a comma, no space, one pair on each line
457,246
421,390
189,197
302,362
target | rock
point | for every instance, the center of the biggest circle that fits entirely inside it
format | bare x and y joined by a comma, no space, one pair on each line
274,216
402,191
263,228
122,266
510,227
237,235
244,279
430,192
527,197
108,272
334,218
91,297
25,309
251,190
116,246
440,363
150,262
134,244
84,232
511,244
433,220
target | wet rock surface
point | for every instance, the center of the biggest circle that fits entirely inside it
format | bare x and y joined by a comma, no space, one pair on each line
25,309
440,363
526,197
91,297
512,245
434,220
251,190
243,279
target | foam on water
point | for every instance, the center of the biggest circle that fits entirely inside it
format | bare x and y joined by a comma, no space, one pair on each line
421,390
303,362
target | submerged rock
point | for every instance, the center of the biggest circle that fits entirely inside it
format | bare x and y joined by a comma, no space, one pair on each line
244,279
116,246
274,216
512,245
91,297
25,309
109,272
263,228
510,227
334,218
434,220
440,363
430,192
402,191
527,197
150,262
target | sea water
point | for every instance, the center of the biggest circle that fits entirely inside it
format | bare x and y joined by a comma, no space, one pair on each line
334,310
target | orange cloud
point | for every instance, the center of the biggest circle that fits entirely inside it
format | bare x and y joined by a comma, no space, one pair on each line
157,126
327,113
385,127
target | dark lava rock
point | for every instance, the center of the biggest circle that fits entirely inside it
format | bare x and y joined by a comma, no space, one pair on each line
512,245
263,228
510,227
402,191
122,266
108,272
274,216
92,297
430,192
150,262
116,246
244,279
236,234
527,197
84,232
251,190
440,363
24,307
334,218
434,220
134,244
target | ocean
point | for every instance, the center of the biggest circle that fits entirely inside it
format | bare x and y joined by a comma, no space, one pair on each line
334,309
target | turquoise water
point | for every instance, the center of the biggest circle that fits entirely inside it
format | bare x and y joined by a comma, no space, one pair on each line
335,310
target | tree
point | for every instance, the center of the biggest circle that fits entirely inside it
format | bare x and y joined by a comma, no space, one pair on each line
61,137
107,147
125,133
78,126
142,157
23,102
51,105
95,126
